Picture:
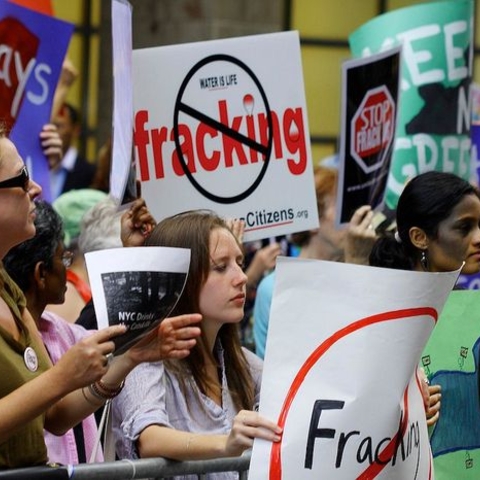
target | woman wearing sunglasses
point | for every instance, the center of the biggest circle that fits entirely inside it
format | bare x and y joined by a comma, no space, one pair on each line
33,393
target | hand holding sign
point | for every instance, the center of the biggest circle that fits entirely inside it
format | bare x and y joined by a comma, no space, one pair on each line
360,236
248,425
136,224
173,338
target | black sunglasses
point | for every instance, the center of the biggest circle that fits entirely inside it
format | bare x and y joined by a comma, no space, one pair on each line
21,180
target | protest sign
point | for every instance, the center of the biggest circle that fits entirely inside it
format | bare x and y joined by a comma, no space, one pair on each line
370,89
433,130
42,6
137,287
223,125
33,47
122,173
450,359
475,134
340,373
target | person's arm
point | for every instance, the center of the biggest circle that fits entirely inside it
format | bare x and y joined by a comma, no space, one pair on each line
80,366
30,400
157,440
261,314
172,339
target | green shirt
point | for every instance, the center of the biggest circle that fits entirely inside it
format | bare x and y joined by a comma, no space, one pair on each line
27,446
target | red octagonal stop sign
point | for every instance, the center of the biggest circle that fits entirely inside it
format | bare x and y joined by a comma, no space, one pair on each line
372,129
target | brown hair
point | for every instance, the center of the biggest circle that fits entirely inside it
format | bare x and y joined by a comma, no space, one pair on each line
192,230
325,185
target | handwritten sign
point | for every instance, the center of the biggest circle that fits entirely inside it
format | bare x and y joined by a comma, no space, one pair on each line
450,359
340,372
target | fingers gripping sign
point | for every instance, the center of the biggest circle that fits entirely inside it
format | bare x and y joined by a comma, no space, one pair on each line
248,425
173,338
87,361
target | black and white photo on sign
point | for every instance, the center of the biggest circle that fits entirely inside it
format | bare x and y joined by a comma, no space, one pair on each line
139,299
137,287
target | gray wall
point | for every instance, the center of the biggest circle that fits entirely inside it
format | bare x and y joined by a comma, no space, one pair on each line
168,22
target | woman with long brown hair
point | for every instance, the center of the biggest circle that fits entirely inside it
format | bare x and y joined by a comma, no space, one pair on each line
202,406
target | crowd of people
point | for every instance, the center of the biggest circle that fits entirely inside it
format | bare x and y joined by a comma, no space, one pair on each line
190,389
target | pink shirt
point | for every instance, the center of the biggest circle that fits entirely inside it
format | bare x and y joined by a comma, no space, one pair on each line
58,336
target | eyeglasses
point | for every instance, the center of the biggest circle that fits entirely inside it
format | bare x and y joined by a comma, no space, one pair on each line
21,180
67,258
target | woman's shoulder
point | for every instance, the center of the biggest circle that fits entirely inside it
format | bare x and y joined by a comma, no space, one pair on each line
11,292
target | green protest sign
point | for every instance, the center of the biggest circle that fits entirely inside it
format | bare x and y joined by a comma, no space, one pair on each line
450,359
433,125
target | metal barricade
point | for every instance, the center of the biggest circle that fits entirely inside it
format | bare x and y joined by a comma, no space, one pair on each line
148,468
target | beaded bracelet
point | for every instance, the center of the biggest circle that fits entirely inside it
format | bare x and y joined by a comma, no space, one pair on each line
102,392
110,391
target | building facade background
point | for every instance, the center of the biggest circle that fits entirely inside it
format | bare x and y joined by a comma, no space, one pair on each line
324,27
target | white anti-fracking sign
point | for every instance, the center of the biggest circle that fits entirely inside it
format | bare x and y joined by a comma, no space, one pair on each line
223,125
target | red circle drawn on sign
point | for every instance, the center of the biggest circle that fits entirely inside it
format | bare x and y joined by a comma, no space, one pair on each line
374,469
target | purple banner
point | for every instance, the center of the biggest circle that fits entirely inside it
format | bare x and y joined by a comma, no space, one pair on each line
32,49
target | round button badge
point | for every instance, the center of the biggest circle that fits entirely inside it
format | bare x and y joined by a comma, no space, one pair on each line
30,359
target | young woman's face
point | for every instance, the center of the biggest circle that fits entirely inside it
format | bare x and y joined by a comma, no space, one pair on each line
222,296
458,239
17,208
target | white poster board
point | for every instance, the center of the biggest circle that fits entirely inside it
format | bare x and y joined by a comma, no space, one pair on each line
122,175
340,372
137,287
223,125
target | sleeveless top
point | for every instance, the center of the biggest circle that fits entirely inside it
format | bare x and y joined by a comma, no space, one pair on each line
26,447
